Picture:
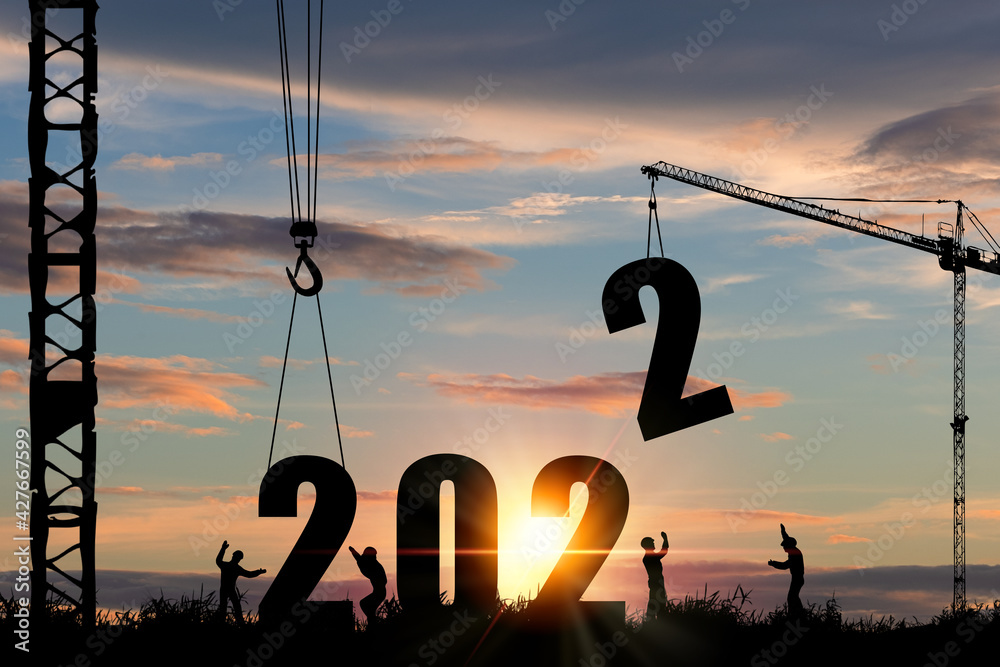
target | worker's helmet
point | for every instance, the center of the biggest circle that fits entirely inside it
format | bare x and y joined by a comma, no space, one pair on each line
370,551
237,555
647,543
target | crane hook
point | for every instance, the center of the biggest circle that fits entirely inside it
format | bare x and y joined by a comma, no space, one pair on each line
317,277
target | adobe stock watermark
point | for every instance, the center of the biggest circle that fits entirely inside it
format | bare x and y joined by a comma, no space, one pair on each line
943,140
122,107
223,7
545,539
419,321
453,117
433,649
472,443
264,309
249,148
928,497
363,36
714,28
752,329
912,344
228,512
786,127
23,38
967,630
627,287
562,12
780,648
898,17
796,458
579,161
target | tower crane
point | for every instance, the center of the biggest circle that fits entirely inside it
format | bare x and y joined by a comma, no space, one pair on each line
952,256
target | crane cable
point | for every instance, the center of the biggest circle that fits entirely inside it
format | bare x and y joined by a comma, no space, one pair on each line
303,227
653,214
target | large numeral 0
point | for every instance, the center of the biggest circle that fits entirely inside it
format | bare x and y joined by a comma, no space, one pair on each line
323,535
418,533
600,526
662,410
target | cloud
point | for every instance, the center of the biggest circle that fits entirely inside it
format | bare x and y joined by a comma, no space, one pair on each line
186,313
268,361
352,432
173,384
722,282
232,250
856,310
775,437
949,152
845,539
377,496
159,426
401,158
606,394
159,163
968,131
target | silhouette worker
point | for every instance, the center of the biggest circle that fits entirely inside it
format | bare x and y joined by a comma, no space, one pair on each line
227,586
795,564
373,570
654,569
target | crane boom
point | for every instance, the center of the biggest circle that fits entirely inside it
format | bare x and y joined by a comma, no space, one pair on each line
947,248
952,256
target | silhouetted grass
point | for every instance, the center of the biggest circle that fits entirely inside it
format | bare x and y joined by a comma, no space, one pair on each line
704,629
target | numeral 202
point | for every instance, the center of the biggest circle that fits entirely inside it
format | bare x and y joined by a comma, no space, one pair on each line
418,533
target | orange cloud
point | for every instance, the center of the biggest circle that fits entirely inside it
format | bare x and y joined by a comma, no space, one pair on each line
351,432
159,163
186,313
607,394
845,539
13,351
268,361
377,496
153,425
174,384
775,437
441,155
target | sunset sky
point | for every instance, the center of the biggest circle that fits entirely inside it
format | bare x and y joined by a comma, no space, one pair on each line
479,181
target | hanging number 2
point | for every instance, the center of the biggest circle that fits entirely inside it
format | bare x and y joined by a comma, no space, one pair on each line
662,410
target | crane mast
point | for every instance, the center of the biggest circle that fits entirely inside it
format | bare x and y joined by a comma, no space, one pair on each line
62,215
952,256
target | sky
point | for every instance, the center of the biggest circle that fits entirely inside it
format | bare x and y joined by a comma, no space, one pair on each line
479,181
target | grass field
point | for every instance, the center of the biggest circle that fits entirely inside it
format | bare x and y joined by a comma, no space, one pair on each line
709,629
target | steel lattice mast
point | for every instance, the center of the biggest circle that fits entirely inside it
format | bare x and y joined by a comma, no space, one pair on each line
63,387
952,256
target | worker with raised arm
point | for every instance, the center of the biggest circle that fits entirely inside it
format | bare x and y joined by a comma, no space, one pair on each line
797,567
654,570
375,573
227,586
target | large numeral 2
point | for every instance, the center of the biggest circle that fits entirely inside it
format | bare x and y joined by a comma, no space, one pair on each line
600,526
662,410
323,535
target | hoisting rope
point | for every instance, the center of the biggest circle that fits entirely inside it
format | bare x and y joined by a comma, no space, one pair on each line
652,214
304,228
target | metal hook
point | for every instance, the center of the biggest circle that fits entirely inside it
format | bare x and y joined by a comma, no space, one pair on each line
317,277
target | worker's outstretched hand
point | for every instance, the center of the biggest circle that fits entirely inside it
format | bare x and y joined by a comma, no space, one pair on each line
665,541
225,545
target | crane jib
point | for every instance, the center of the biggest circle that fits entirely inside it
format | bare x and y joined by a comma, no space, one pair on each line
944,247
